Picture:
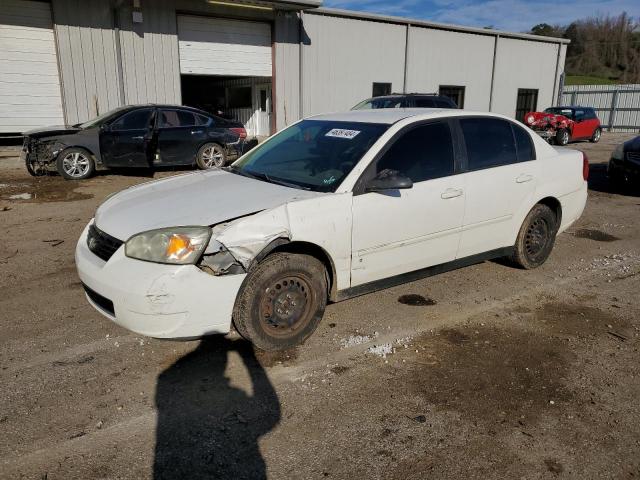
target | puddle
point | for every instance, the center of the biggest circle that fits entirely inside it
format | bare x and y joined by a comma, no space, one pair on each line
43,189
416,300
597,235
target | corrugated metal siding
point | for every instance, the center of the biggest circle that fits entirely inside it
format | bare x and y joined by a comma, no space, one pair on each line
86,42
150,63
601,97
286,94
29,80
343,57
430,63
219,46
523,64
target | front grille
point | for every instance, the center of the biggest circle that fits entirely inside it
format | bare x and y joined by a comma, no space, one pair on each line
633,156
102,244
103,302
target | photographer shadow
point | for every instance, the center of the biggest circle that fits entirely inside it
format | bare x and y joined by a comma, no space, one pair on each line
206,427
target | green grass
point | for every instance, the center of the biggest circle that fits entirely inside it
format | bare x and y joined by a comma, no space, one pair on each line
587,80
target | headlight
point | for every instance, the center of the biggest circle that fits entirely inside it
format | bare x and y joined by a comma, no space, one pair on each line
531,119
618,153
176,245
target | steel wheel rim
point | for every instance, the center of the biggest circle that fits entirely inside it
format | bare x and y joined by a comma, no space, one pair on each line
564,138
212,157
596,136
537,238
75,164
285,306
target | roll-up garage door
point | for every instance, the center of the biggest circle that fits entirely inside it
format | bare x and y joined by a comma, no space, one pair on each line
215,46
29,80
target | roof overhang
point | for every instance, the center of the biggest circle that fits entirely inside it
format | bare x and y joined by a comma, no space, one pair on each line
274,5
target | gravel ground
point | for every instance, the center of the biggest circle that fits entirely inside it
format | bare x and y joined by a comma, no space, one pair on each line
485,372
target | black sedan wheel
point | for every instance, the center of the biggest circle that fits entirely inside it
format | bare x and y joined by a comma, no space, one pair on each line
282,301
536,238
75,164
211,155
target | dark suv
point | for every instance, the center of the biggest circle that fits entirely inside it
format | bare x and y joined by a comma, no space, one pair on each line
406,100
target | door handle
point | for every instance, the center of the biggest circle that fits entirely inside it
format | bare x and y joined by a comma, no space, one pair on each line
524,178
451,193
193,132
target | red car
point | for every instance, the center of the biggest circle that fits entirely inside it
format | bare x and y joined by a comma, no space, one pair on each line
561,125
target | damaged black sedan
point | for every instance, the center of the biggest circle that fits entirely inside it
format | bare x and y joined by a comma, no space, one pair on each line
143,136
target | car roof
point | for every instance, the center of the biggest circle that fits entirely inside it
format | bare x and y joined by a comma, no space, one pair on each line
389,116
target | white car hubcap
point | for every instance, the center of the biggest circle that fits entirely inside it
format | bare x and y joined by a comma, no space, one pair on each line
212,157
75,164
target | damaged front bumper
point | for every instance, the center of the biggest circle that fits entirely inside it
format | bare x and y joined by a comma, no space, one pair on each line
161,301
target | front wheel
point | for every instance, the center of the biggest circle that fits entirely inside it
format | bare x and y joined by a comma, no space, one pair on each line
562,137
211,155
75,164
536,238
595,138
282,301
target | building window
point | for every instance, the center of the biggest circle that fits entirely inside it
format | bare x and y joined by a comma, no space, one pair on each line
527,102
380,89
454,92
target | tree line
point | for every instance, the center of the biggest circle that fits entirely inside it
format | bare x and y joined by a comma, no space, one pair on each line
604,46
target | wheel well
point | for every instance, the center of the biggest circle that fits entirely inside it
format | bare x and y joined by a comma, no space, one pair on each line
555,206
313,250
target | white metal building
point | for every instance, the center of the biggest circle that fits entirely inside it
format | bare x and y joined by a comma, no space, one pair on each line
268,63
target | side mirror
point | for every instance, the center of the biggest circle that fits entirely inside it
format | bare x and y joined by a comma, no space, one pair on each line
388,180
105,127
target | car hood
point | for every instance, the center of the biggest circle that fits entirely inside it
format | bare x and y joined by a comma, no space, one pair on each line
199,198
50,131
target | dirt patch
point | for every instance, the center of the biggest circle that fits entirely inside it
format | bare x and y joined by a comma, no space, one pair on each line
270,359
416,300
576,320
597,235
40,190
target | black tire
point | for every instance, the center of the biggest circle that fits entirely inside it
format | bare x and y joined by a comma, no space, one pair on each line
562,137
597,134
536,238
35,169
282,301
75,163
211,155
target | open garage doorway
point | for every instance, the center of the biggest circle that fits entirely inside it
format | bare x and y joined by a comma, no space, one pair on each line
246,99
226,66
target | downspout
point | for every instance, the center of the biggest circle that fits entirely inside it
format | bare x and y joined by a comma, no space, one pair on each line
555,78
493,71
301,65
116,32
406,59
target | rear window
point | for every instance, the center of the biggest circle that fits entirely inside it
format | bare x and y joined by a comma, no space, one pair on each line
489,142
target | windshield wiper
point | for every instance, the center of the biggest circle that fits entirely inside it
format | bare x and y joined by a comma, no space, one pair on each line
263,177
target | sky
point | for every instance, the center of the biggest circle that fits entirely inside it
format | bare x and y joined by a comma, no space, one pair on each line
510,15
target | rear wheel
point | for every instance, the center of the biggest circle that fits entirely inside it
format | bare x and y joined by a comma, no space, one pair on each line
75,164
536,238
282,301
562,137
211,155
595,138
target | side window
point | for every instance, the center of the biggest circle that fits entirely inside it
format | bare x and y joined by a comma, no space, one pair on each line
423,153
136,120
489,142
424,102
176,118
201,119
524,144
580,115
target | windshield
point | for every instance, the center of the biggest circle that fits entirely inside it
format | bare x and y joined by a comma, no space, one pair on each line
313,154
567,112
382,102
100,119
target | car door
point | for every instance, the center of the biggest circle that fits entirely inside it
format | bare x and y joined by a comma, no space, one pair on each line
501,177
581,127
126,141
400,231
180,135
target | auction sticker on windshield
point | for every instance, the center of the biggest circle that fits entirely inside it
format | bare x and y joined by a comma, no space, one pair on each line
341,133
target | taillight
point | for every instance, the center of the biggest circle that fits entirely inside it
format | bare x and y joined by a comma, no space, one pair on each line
585,167
240,131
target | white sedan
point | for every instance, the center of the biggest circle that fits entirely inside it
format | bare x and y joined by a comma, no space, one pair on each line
332,207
